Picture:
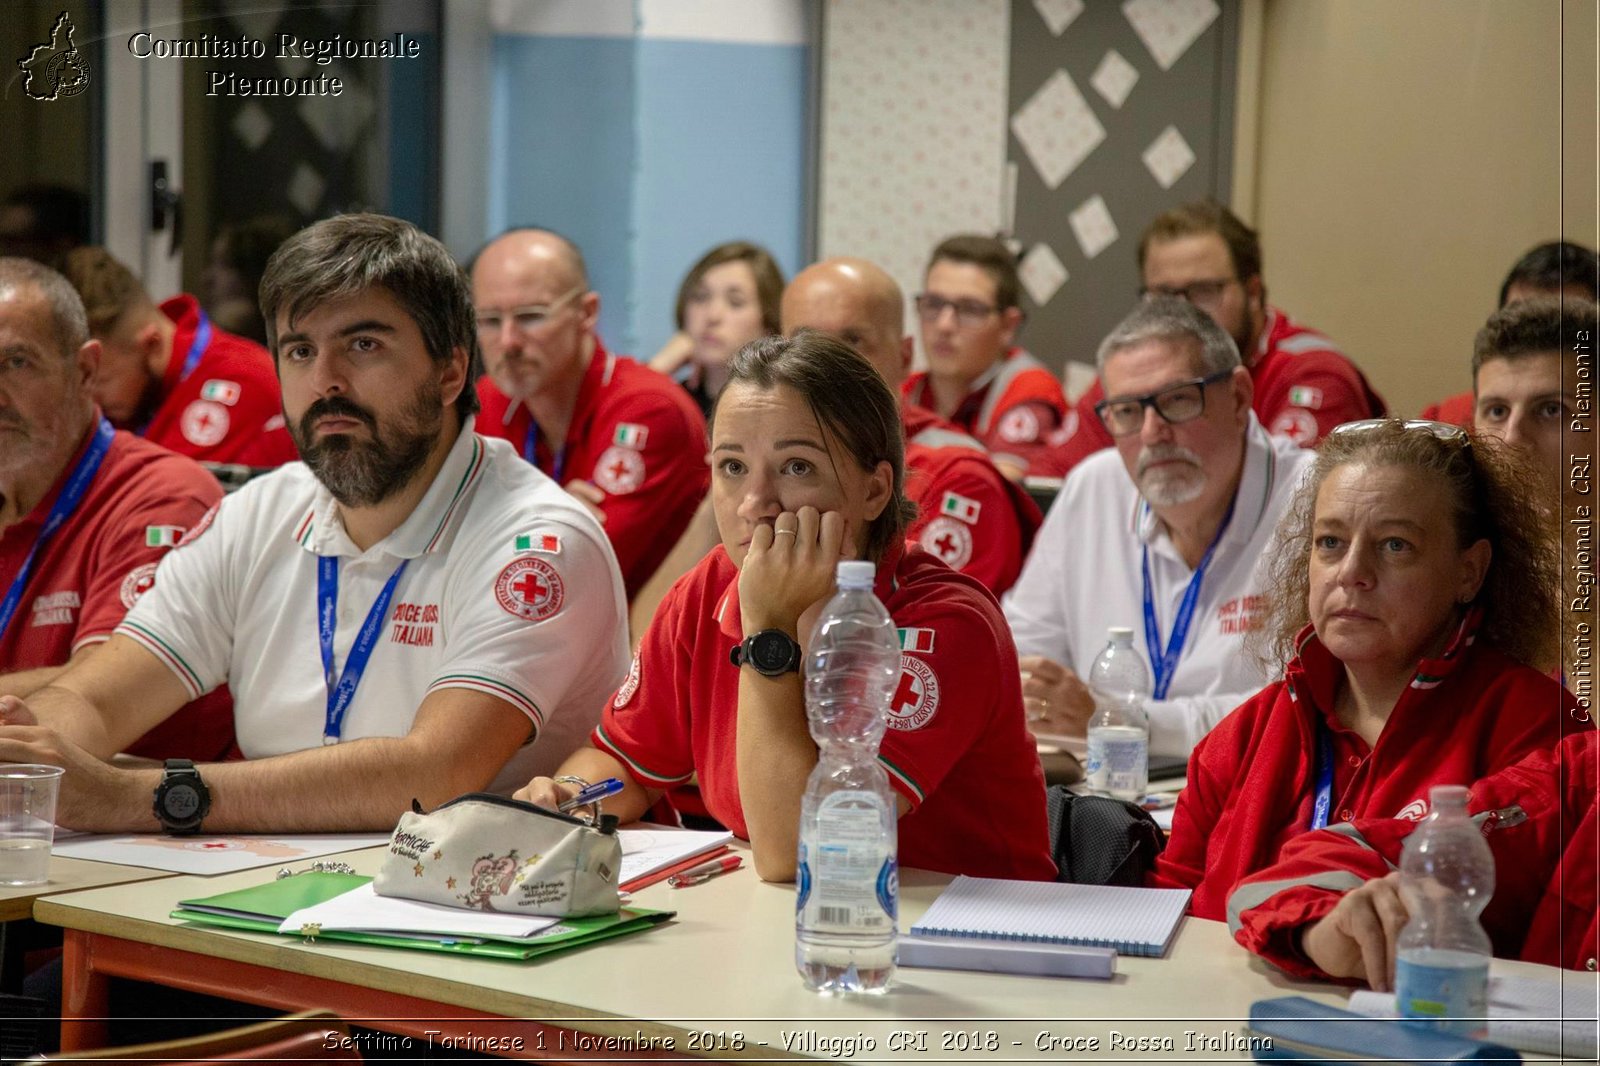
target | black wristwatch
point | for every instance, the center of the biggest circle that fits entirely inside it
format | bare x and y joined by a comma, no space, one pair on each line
772,652
182,801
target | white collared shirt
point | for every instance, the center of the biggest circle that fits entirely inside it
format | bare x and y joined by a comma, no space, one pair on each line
1083,576
540,624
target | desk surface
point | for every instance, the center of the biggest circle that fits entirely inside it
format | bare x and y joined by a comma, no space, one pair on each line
69,875
726,964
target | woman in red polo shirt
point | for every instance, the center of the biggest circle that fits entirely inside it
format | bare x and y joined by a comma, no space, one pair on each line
1415,598
808,467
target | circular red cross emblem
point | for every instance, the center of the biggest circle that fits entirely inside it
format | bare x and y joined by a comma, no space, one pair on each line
529,588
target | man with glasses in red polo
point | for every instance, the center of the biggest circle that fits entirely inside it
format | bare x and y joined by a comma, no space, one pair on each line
1163,534
1304,386
622,438
976,377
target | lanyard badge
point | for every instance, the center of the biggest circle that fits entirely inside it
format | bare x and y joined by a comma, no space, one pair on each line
342,685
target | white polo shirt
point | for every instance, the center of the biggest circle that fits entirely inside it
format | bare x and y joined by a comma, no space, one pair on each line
511,590
1083,576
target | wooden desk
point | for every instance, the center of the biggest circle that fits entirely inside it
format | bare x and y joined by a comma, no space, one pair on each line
66,875
724,966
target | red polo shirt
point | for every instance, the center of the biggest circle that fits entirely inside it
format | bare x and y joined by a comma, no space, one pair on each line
228,408
968,514
1304,386
99,563
1458,410
1012,409
639,437
957,748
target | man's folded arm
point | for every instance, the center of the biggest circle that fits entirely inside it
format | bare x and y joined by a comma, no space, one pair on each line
106,701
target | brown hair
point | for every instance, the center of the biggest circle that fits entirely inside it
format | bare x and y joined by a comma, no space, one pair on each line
849,399
769,279
349,254
1494,495
108,289
1202,217
989,255
1532,327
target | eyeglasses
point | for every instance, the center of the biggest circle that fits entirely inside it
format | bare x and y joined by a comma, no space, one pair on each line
1176,404
1203,294
527,320
1443,430
969,313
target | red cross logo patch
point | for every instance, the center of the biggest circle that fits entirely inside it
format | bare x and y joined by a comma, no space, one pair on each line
204,423
619,471
1019,426
137,583
529,588
916,695
1296,424
948,539
630,685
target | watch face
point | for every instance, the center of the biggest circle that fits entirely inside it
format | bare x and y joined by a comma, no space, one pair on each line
771,652
181,802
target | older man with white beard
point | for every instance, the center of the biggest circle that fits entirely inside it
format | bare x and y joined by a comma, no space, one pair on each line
1163,536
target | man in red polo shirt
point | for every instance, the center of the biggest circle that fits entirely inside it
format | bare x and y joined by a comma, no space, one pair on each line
970,311
86,512
969,516
171,376
619,436
1304,386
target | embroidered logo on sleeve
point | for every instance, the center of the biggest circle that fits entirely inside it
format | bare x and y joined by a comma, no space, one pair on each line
948,539
1305,396
55,608
548,543
530,589
200,526
620,470
1415,811
218,391
916,696
631,435
1296,424
139,581
960,507
630,685
204,423
918,640
1066,431
162,536
1019,426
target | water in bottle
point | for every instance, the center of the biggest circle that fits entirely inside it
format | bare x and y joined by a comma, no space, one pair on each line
1119,732
848,884
1442,956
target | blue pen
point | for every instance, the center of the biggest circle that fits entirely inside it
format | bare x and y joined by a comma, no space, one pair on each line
593,794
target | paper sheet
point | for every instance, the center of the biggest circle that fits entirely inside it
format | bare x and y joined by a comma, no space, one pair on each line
1169,157
1042,273
1524,1012
645,851
363,909
1169,27
208,855
1058,14
1057,129
1114,78
1093,226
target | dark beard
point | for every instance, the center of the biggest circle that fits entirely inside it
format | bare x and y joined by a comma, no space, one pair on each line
362,473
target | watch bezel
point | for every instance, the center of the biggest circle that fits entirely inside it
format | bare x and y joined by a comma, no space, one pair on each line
772,652
181,774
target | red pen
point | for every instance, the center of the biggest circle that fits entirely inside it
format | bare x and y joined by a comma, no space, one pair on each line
705,871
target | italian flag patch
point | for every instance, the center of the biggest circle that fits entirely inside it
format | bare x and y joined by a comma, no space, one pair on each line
219,391
960,508
916,640
1305,396
548,543
162,536
630,435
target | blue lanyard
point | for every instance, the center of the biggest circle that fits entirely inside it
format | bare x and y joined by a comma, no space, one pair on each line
1165,664
530,450
1324,776
72,494
197,348
342,688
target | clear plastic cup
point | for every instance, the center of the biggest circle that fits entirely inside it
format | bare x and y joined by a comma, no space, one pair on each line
27,821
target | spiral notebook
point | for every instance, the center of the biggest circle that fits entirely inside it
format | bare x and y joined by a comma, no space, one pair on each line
1135,921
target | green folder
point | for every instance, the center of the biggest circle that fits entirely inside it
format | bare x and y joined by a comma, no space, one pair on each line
262,908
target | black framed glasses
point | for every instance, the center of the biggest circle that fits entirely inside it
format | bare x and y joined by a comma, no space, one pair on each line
969,313
1176,404
1205,294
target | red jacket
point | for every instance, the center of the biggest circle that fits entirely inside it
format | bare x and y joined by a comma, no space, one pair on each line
969,515
1457,410
1544,907
1466,714
1012,409
637,436
1304,386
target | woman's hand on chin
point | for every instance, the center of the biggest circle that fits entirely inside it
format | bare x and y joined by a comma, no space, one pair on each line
789,569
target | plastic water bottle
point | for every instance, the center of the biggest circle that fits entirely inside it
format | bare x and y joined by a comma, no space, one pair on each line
1441,974
849,886
1119,732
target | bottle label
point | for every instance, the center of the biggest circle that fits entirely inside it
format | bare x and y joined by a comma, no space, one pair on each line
853,882
1447,991
1118,761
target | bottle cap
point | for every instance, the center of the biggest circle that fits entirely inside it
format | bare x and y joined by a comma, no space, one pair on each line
1120,634
855,574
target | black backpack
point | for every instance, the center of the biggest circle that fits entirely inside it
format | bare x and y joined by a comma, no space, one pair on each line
1097,840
